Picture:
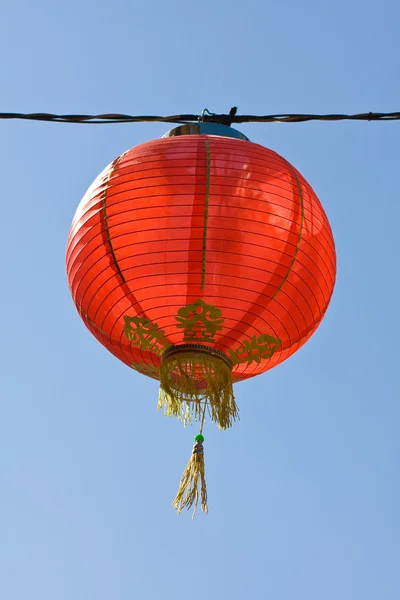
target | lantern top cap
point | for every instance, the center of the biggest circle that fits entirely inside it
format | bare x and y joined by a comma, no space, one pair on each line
204,128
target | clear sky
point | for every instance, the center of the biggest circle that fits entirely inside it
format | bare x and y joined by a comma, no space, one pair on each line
304,492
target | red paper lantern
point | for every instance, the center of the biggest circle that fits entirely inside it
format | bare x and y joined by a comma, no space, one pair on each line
199,258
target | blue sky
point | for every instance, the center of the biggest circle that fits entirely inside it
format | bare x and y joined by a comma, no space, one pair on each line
304,491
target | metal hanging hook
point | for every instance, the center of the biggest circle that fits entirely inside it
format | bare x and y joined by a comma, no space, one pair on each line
204,112
222,119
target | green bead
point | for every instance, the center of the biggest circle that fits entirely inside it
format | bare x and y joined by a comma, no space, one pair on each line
199,438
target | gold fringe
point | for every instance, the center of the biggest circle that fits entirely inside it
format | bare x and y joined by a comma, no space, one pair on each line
190,380
193,477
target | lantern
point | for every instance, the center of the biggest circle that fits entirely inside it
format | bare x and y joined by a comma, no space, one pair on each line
201,259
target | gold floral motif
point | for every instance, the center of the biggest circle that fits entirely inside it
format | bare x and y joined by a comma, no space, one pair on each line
255,350
200,321
145,369
141,332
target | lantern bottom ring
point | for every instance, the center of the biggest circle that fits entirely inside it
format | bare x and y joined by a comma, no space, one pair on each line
196,348
196,380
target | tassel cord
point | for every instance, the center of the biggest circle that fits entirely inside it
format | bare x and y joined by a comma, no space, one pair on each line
203,418
192,486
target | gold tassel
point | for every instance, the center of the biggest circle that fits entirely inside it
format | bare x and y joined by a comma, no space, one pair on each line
192,479
191,377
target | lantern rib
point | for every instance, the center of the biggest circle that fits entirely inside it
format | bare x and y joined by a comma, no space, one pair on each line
153,264
307,219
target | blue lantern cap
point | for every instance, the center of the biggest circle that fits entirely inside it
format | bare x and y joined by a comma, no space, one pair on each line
206,129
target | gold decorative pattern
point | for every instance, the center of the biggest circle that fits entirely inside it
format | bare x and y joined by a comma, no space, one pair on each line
255,350
141,332
145,369
200,321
